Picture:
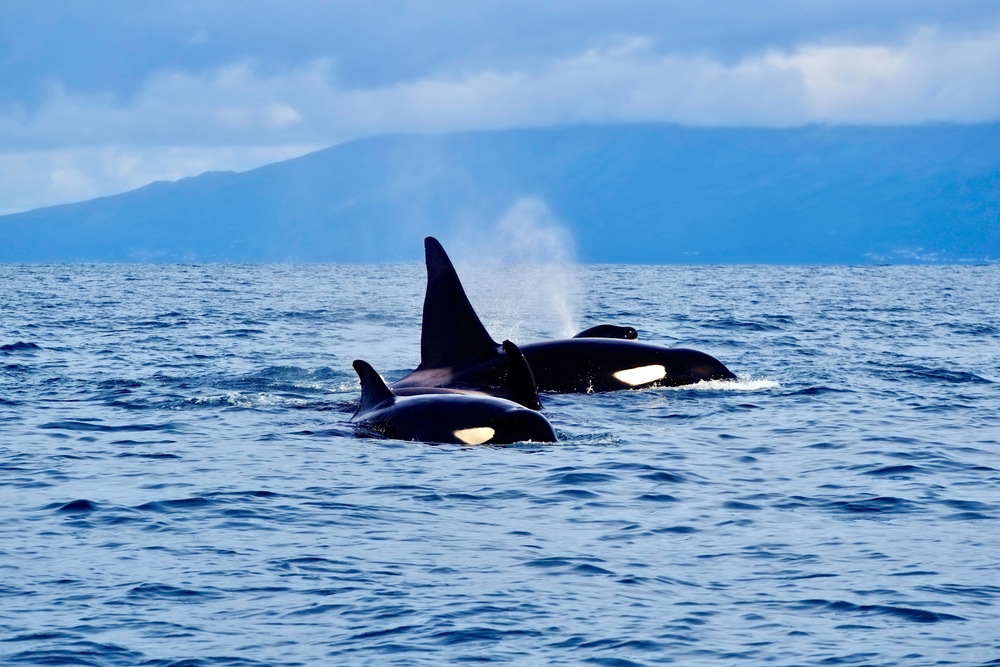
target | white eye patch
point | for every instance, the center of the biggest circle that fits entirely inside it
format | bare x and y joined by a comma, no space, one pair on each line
475,436
641,375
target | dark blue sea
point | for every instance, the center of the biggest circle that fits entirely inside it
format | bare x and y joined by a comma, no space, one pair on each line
180,485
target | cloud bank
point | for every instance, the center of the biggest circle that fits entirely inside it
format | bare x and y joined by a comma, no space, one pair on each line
75,145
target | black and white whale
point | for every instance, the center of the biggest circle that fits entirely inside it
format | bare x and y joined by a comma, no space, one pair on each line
444,417
457,351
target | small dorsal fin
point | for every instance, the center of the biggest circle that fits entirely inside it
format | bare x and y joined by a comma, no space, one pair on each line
374,392
520,381
609,331
451,331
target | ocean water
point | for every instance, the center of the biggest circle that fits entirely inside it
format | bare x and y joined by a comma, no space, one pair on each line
181,487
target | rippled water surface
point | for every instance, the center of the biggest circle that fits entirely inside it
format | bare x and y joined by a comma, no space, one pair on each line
180,485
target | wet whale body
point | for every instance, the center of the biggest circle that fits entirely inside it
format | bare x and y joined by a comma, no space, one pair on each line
457,351
446,418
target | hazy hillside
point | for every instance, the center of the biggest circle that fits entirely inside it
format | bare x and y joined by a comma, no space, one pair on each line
633,193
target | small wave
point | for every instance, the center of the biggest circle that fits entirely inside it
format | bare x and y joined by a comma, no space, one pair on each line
732,323
16,368
975,592
904,613
967,505
320,314
455,637
928,373
41,636
664,477
946,375
574,562
658,498
19,346
179,505
814,391
243,494
115,383
78,653
241,333
82,505
971,328
968,516
151,324
678,530
316,609
900,471
876,505
167,592
71,425
143,442
155,455
330,433
737,505
579,494
214,661
580,478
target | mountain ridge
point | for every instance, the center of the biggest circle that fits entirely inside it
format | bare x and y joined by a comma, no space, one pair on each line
644,193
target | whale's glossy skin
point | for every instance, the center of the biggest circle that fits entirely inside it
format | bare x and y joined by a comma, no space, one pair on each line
457,351
445,418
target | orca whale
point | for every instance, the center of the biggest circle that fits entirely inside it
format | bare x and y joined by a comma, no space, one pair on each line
447,418
457,351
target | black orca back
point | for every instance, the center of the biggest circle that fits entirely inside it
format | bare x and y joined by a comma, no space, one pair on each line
451,331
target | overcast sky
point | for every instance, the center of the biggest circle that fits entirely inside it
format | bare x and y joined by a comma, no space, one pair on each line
102,96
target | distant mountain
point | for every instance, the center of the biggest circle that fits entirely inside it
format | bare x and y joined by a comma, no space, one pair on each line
628,193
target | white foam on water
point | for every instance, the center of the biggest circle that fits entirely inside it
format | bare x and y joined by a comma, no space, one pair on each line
745,383
240,400
345,386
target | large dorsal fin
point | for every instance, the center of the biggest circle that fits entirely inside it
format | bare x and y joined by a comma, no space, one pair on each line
451,332
373,390
520,381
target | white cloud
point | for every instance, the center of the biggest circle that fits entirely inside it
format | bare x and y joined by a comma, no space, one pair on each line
929,77
219,119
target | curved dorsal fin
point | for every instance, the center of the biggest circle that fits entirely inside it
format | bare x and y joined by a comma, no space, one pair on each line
609,331
451,331
520,381
373,390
